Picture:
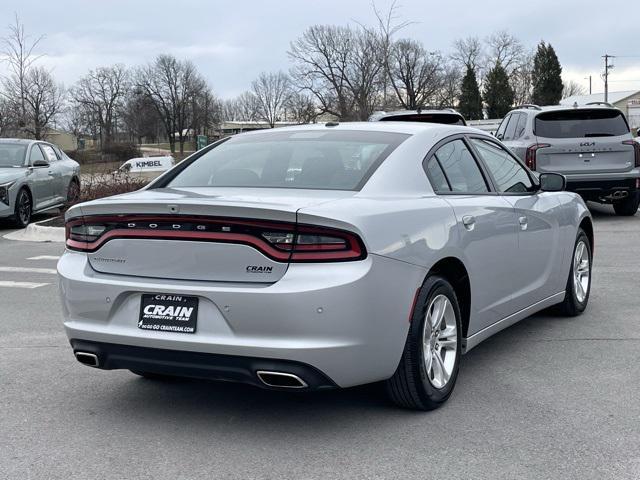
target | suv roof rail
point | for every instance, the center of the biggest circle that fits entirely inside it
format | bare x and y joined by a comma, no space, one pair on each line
529,105
606,104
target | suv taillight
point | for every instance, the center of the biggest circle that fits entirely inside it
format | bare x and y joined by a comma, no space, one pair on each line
280,241
636,150
530,156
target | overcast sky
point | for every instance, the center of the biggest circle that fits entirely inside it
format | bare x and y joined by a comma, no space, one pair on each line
233,41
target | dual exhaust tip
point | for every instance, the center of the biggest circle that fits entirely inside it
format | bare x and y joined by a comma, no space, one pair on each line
268,378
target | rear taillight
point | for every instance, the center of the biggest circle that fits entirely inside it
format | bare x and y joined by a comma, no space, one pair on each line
279,241
636,151
530,156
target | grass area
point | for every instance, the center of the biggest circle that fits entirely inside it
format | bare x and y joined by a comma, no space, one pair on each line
99,167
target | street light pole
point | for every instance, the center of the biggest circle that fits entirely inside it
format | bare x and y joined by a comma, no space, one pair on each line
607,67
589,77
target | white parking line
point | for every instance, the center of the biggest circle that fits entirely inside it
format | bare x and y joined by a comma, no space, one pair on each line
45,257
50,271
22,284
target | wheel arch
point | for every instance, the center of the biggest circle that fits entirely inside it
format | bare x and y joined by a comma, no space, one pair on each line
586,224
455,272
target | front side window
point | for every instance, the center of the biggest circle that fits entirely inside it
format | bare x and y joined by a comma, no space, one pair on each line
306,159
50,153
459,168
36,155
509,175
502,127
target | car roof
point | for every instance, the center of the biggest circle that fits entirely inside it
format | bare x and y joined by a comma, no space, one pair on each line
409,128
24,141
375,116
536,110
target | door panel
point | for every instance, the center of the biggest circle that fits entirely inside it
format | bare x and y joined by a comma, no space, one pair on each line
538,264
39,180
56,174
489,238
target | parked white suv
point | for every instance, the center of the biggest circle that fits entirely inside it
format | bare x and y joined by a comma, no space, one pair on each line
591,145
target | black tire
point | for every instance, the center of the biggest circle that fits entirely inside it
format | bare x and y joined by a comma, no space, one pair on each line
73,192
410,386
572,305
629,206
23,209
152,376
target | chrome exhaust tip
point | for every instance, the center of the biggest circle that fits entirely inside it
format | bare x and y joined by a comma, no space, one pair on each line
280,379
86,358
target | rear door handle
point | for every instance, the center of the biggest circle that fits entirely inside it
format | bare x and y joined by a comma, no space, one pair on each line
469,222
524,223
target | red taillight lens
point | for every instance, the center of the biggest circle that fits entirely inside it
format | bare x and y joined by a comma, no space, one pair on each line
530,156
636,151
279,241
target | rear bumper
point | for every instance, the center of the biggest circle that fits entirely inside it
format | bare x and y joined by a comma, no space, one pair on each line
347,320
597,187
209,366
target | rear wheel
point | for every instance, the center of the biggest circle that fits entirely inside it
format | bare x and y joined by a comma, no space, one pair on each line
579,282
628,206
73,192
429,365
23,209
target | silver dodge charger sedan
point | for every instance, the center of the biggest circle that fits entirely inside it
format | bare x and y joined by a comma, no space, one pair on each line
324,256
34,176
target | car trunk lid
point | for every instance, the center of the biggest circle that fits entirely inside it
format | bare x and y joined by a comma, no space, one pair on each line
207,234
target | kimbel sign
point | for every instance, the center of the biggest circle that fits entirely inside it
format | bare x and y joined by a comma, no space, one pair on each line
148,164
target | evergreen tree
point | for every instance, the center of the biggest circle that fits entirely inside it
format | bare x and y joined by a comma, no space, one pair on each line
498,94
546,76
470,104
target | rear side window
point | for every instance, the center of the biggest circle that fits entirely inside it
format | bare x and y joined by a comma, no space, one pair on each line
306,159
446,118
509,133
459,168
520,127
581,123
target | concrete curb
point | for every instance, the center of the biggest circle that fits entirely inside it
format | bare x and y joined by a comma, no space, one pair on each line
37,233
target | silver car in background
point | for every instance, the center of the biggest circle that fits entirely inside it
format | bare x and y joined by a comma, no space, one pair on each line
590,145
34,176
324,256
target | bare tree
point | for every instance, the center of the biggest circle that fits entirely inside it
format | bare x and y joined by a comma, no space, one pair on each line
18,52
414,74
102,92
43,100
301,108
505,49
521,79
241,108
468,53
271,91
449,91
207,112
140,118
572,88
172,85
321,58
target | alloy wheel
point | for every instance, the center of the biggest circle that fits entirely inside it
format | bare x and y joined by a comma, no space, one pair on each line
440,341
581,271
24,208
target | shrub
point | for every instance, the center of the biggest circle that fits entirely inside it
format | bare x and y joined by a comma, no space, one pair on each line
121,151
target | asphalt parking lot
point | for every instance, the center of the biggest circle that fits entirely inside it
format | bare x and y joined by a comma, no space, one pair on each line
549,398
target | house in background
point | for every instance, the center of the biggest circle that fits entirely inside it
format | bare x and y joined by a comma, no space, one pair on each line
66,141
628,101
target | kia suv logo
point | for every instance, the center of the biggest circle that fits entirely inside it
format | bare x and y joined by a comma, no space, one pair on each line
588,144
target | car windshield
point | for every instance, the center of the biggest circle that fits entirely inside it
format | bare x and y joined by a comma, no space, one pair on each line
446,118
581,123
311,159
12,155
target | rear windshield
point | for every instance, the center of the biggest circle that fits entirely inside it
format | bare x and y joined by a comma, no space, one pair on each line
446,118
12,154
581,123
312,159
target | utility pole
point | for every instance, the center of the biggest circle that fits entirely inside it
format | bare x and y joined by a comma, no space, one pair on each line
589,77
607,67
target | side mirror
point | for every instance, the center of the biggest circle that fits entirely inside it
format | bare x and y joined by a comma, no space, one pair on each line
40,164
552,182
499,136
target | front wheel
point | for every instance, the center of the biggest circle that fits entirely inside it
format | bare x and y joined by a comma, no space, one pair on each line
429,365
579,282
629,206
23,209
